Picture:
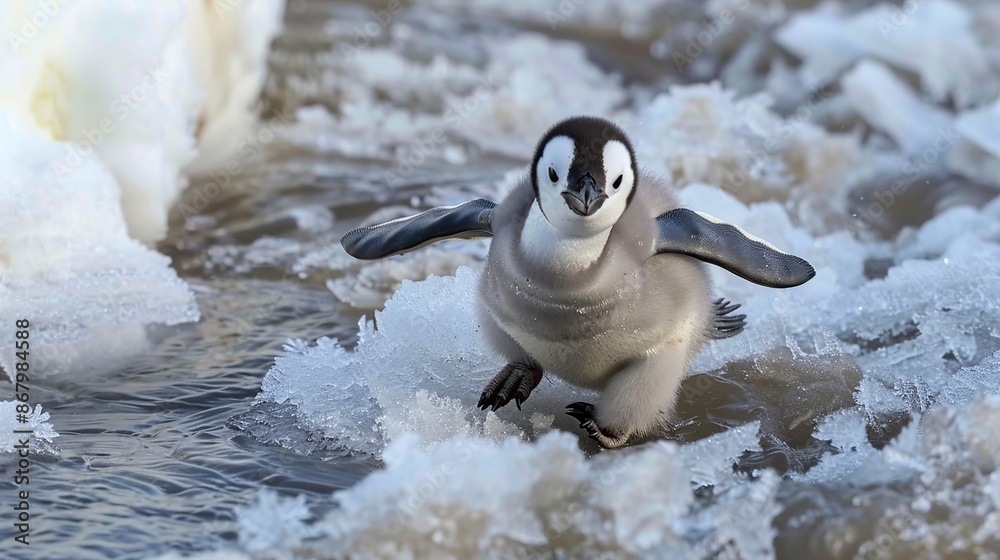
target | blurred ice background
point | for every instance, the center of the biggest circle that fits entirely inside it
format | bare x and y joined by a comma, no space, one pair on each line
853,418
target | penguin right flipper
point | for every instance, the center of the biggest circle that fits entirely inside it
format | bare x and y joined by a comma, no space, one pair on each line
469,220
725,325
709,239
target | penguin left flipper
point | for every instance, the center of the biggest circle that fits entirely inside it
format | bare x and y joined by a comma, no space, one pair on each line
723,244
469,220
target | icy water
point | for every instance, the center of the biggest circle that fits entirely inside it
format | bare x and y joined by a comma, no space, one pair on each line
156,454
152,458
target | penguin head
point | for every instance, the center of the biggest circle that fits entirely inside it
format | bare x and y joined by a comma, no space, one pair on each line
584,175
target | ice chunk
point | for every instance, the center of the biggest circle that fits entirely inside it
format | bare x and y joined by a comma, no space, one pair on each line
822,40
977,155
845,429
530,98
951,231
923,37
969,382
67,263
951,508
926,38
703,133
42,435
890,106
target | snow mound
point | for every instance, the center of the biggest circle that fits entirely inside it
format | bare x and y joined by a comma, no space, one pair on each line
190,77
68,264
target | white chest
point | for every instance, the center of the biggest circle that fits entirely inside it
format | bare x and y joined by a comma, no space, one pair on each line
547,247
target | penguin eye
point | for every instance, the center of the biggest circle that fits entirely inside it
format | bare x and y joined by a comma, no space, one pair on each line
618,183
552,175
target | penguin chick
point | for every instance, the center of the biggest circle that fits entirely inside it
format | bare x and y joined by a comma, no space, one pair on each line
595,275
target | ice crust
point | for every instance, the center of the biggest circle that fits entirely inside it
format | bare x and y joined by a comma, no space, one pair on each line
42,436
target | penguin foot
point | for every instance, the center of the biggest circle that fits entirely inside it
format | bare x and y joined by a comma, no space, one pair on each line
725,325
584,412
515,381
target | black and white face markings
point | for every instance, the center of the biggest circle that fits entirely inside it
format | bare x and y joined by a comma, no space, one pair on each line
584,175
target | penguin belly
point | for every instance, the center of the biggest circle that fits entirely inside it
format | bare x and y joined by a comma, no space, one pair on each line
583,344
588,336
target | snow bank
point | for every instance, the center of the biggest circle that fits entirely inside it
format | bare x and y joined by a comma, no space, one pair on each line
94,150
189,77
228,44
68,264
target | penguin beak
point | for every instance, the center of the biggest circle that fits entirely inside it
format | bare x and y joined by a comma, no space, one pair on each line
584,198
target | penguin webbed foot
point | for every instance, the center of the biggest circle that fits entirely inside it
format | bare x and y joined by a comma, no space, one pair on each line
515,381
725,325
584,413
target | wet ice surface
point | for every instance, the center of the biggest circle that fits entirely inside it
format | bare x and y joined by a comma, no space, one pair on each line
846,421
